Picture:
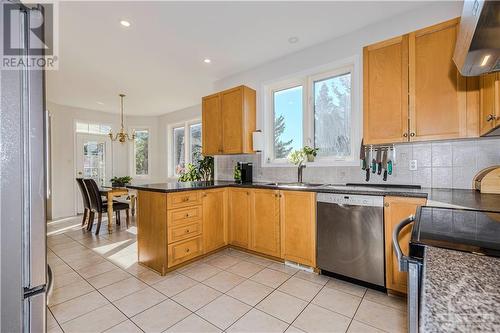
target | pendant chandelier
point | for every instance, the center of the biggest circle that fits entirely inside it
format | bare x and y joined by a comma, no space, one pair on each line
121,136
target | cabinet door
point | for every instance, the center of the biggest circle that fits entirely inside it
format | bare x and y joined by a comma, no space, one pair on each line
397,209
489,100
214,219
239,216
385,91
298,227
232,120
211,125
265,222
437,90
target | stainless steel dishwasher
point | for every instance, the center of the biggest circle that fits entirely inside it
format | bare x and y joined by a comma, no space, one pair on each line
350,236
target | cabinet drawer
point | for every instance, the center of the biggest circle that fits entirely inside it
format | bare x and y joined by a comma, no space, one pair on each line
184,250
184,231
184,215
183,199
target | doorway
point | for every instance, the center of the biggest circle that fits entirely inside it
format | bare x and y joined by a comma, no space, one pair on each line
93,160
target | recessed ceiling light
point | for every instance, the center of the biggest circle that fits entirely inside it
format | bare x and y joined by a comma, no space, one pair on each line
125,23
485,60
293,39
207,61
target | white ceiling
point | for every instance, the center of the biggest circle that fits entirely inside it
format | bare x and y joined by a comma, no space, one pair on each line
158,61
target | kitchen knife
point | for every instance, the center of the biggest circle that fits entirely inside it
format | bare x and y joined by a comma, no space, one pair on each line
384,164
374,162
379,161
389,162
362,156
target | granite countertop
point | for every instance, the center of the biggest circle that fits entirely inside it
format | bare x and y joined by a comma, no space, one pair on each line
451,198
460,293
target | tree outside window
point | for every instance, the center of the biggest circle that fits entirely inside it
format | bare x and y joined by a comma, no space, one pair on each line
141,148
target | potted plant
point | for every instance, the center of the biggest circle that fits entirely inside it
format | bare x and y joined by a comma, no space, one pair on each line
120,181
297,157
310,153
202,171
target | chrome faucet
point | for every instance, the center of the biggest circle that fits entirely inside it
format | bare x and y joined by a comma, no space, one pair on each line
299,172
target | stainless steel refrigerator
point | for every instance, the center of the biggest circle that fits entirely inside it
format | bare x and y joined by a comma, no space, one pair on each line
22,183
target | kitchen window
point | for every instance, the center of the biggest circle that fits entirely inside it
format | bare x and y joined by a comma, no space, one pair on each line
185,146
141,153
314,110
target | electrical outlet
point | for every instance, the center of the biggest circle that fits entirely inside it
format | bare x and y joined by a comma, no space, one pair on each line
413,165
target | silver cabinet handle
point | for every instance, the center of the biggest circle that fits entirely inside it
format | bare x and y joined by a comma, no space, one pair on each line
402,259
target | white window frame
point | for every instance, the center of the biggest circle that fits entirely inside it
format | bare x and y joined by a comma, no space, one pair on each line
187,144
306,79
132,153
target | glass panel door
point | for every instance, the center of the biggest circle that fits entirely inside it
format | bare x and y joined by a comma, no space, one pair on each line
93,160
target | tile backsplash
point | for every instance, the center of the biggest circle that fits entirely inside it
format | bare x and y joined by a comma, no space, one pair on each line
443,164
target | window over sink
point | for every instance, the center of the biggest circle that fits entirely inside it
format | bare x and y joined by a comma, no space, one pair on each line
317,109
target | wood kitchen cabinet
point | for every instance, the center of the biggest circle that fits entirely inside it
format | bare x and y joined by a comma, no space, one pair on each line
239,216
211,125
489,117
437,91
265,222
298,227
413,91
214,219
385,86
397,209
228,121
152,230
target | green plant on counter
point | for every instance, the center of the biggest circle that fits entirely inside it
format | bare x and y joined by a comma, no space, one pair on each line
297,157
203,170
237,174
310,153
120,181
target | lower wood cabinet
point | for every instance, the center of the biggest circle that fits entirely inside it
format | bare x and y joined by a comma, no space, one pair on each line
152,230
239,216
214,204
184,250
397,209
298,227
265,222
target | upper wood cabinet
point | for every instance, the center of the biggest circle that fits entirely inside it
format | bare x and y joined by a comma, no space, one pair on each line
489,116
211,125
239,216
397,209
298,227
228,121
385,80
265,222
437,90
413,90
214,219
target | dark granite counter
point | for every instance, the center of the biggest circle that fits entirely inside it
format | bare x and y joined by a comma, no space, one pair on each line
460,293
453,198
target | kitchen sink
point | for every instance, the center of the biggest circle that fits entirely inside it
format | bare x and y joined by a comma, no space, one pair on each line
294,185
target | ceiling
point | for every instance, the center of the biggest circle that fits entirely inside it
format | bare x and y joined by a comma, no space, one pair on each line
158,60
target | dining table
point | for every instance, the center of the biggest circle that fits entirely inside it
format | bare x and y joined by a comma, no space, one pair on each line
113,192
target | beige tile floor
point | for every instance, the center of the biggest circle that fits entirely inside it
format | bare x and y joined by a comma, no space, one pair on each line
100,287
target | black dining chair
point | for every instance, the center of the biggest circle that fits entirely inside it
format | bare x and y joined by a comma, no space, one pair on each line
87,211
99,206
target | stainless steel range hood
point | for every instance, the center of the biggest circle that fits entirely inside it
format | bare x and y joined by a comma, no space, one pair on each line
477,50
